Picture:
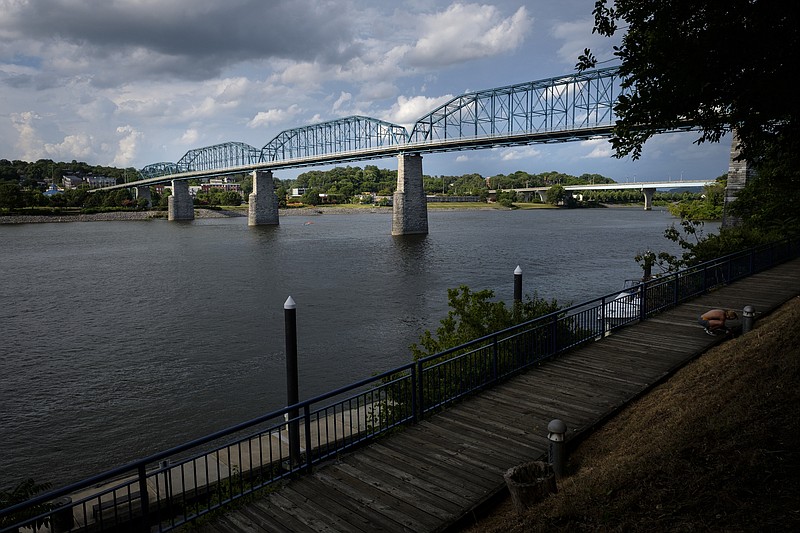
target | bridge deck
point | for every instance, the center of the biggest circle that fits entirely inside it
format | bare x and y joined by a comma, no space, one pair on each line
431,475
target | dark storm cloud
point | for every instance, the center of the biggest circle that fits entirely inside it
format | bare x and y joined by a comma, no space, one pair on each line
195,38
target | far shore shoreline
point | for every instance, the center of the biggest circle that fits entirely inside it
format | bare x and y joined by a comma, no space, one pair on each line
201,213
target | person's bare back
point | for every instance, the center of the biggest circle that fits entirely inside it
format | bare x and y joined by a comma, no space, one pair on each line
713,321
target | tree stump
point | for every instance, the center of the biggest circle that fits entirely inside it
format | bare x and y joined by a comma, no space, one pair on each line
530,483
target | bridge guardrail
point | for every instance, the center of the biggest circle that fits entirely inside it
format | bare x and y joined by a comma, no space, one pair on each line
180,485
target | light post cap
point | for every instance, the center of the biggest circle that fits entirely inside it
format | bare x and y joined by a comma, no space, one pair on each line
557,426
517,271
289,304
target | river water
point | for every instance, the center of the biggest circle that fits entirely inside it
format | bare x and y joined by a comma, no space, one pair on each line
120,339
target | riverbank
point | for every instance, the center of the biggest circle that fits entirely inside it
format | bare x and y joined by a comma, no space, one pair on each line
152,215
223,213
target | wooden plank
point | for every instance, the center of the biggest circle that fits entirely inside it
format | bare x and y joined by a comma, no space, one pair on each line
478,447
503,433
239,523
459,481
315,506
601,387
273,514
260,522
567,400
584,398
517,422
359,515
466,439
453,456
421,489
406,516
304,514
399,492
222,524
428,479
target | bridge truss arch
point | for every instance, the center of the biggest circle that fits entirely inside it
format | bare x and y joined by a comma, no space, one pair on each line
156,170
219,156
562,108
349,134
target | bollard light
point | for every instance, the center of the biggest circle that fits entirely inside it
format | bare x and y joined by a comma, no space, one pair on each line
748,318
556,430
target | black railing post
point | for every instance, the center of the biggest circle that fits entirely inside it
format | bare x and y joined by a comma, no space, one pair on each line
414,403
705,277
292,392
144,496
677,291
420,392
603,317
730,274
643,302
307,421
495,359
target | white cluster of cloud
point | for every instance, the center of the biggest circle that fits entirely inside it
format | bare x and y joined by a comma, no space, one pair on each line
133,82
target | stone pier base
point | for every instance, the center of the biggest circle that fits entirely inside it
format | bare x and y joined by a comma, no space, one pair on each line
263,204
144,192
740,172
410,209
181,206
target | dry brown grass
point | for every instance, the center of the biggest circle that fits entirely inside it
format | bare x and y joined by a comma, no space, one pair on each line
715,448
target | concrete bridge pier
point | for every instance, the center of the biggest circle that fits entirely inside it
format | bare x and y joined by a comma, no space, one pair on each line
740,172
263,203
648,198
181,206
410,208
144,192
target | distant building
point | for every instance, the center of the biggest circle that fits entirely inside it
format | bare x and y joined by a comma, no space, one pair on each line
95,182
71,182
221,184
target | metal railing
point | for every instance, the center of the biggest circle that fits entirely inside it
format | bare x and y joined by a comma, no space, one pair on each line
180,485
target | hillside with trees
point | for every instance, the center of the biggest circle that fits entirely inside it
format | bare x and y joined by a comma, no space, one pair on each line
30,186
24,185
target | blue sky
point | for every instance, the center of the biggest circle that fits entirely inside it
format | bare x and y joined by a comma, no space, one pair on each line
134,82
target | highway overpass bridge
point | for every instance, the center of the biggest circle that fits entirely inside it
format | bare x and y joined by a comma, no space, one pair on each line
647,188
572,107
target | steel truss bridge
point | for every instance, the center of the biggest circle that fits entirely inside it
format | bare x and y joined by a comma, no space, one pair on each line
572,107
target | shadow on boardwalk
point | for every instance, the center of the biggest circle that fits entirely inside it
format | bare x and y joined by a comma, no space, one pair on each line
432,475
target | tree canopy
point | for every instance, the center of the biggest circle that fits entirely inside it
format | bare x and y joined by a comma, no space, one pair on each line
722,65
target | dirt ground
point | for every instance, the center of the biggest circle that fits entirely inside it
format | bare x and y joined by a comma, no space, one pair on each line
715,448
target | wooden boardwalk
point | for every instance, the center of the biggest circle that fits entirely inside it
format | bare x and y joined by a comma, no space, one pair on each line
434,475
